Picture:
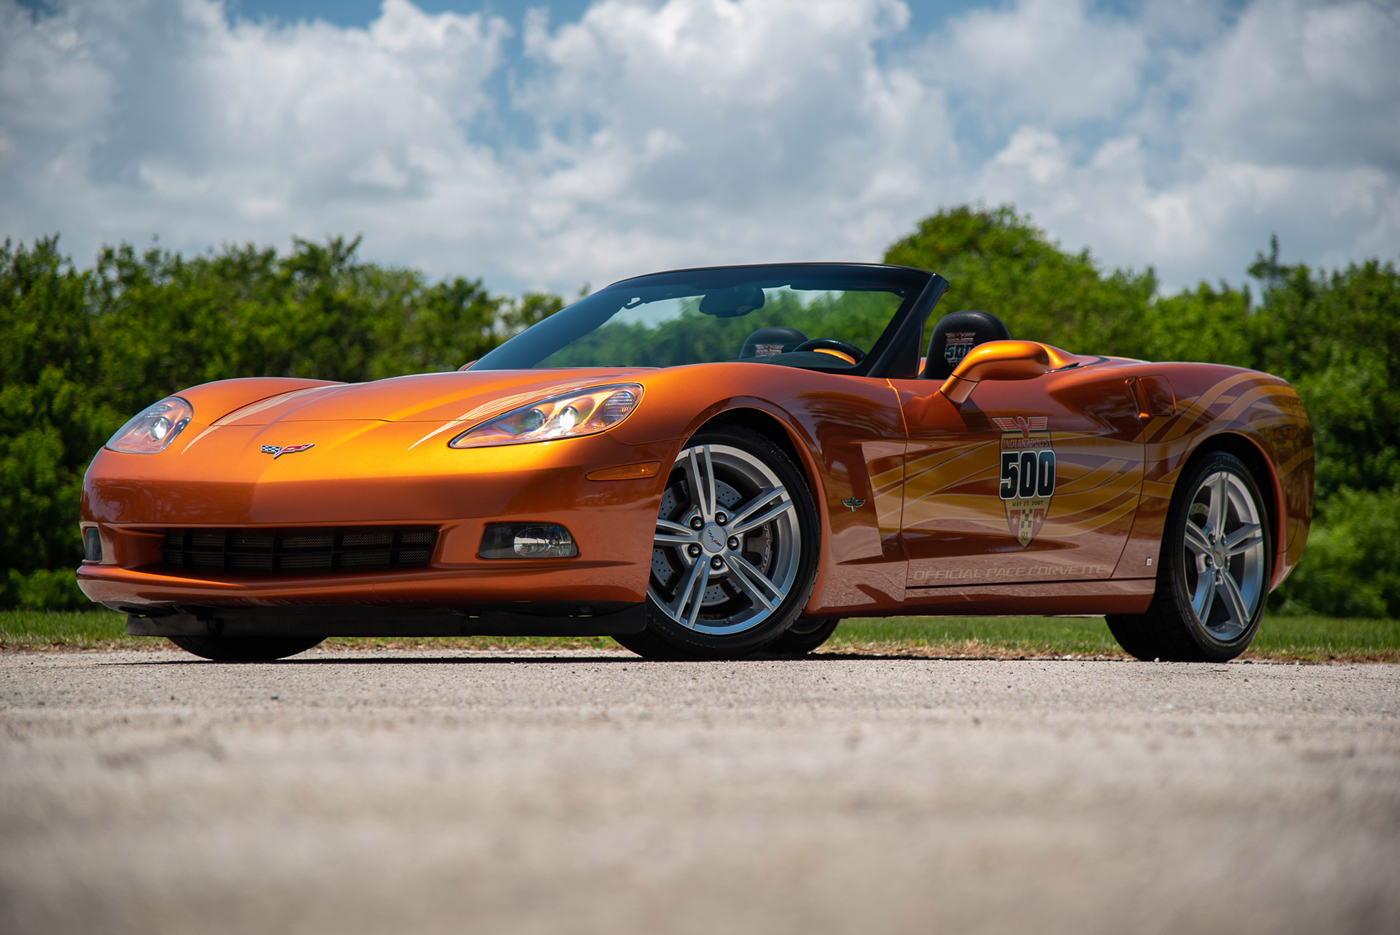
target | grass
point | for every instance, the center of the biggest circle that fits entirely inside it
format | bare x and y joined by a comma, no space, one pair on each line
66,629
70,630
1289,639
1284,639
979,637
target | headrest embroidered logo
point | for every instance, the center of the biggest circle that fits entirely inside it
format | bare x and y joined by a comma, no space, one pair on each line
767,350
278,451
957,344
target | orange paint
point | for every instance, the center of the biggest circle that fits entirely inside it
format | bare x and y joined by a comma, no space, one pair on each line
935,528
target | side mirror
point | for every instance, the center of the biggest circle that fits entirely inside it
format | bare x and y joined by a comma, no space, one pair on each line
996,360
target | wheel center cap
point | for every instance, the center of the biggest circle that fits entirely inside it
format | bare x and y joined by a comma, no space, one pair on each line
712,539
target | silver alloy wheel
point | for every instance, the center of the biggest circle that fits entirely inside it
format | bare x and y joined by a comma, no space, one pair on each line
728,545
1223,556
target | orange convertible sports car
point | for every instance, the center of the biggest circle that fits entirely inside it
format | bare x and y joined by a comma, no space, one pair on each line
709,463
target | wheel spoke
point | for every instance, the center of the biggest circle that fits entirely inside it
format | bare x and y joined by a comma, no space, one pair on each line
743,512
1196,539
665,539
1243,539
669,533
761,519
702,581
1216,514
677,603
699,573
1234,600
700,475
675,529
753,582
1207,598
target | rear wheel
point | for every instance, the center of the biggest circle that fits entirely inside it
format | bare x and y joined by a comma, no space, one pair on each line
735,552
1214,570
245,648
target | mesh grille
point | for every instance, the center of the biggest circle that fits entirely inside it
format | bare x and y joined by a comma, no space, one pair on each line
297,551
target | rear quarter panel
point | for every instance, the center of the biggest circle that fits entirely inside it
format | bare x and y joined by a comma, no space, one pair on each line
1221,407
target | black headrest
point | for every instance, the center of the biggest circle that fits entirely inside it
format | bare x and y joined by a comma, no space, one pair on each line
768,342
732,302
955,335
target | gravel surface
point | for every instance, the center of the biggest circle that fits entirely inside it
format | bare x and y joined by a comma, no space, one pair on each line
356,792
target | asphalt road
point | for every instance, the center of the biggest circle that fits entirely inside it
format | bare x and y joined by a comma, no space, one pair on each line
156,793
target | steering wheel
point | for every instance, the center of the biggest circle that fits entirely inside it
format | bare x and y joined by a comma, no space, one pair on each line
834,347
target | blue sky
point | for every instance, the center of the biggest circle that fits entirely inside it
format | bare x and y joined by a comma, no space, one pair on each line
549,145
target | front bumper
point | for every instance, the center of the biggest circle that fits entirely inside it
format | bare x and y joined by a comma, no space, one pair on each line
373,474
531,619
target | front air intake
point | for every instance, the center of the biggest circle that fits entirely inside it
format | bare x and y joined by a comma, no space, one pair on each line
299,551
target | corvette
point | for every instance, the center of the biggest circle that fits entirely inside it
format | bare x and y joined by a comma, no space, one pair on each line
711,463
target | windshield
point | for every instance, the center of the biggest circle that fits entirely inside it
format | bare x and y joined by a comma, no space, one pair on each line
819,317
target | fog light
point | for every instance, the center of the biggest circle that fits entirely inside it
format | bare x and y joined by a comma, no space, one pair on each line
92,544
527,540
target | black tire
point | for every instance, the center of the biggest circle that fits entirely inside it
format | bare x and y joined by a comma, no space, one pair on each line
804,636
245,648
1221,574
709,598
650,646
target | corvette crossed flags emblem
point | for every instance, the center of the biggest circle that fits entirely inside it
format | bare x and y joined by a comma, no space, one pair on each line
278,451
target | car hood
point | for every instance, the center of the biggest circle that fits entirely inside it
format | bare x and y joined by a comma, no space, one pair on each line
442,398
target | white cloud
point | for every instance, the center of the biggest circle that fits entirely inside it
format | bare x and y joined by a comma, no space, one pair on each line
1303,85
690,132
1288,121
1208,226
1046,59
710,131
181,125
700,131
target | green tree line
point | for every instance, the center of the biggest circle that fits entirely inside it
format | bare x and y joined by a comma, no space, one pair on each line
81,350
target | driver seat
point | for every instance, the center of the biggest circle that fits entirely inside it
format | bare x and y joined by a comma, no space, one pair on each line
770,342
955,334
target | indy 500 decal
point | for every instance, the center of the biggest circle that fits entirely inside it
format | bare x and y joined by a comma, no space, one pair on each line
1027,474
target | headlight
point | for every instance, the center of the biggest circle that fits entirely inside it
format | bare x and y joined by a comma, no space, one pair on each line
153,428
581,413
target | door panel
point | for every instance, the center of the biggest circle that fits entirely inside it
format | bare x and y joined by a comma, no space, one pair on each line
1029,480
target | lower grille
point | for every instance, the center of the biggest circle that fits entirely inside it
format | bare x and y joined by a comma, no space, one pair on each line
297,551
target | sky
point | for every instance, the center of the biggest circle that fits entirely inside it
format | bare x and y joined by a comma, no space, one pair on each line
552,145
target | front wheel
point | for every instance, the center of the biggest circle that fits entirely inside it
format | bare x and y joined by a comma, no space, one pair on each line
735,551
245,648
804,636
1214,569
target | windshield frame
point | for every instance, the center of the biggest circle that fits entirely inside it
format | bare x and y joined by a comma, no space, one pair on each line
894,352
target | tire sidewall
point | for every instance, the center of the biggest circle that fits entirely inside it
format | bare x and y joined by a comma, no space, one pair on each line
804,636
733,645
244,648
1174,569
